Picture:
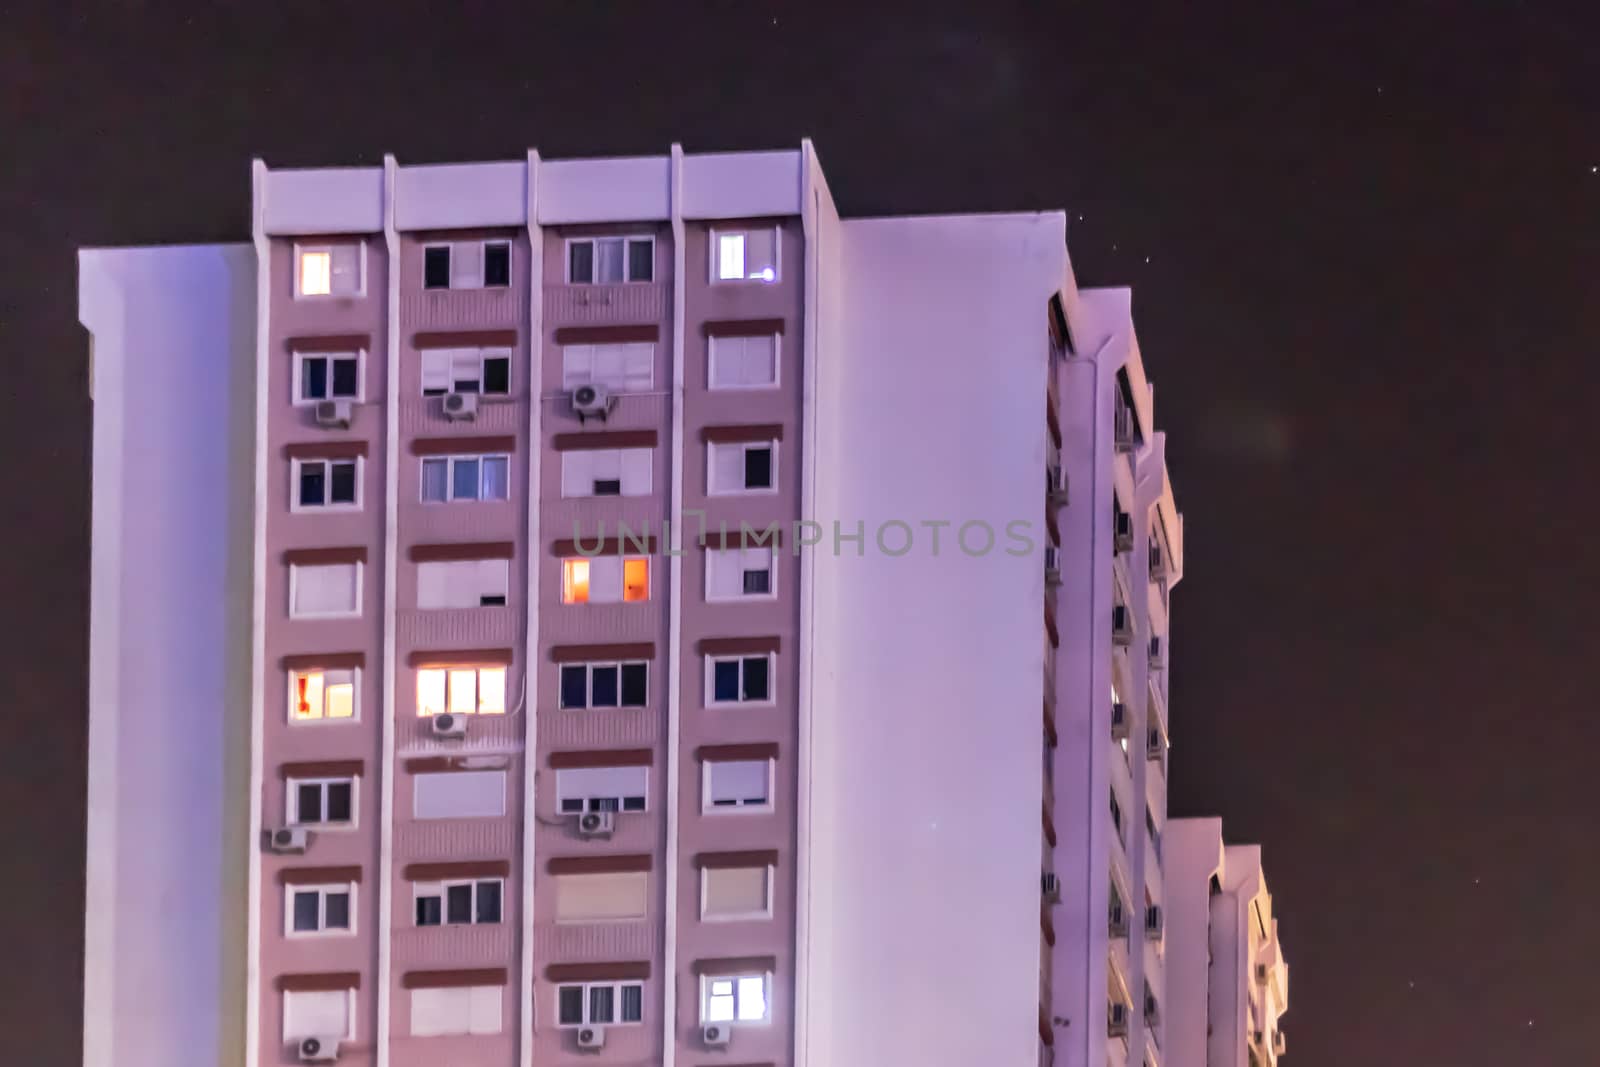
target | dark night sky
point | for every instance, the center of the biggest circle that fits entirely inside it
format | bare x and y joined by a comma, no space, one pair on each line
1364,253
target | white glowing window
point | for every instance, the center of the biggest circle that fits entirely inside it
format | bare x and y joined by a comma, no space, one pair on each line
738,998
316,273
745,255
463,690
320,694
329,270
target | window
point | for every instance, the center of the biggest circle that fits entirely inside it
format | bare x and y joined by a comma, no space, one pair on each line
611,260
599,1003
325,483
460,795
326,376
745,255
469,902
320,909
602,897
457,1010
741,467
729,893
448,479
461,690
1116,702
467,265
736,573
322,694
486,371
465,583
604,685
734,998
319,1013
744,362
581,789
328,803
324,590
734,784
607,472
330,270
739,679
626,367
1154,834
605,580
1116,817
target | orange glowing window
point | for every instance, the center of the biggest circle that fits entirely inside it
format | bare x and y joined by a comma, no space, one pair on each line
636,579
322,695
575,581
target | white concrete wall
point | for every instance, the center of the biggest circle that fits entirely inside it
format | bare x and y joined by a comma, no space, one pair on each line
323,201
736,185
928,671
1194,854
173,335
631,189
461,196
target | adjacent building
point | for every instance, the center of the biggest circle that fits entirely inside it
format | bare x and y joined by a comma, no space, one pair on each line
617,611
1226,968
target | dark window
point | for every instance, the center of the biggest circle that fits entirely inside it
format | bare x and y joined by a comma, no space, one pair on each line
632,1003
344,376
309,806
607,487
600,1005
492,600
312,485
497,375
641,260
313,379
758,468
631,804
436,267
458,904
488,902
464,479
572,804
569,1000
604,688
429,911
580,262
755,678
342,483
575,686
497,264
634,677
604,804
337,915
725,680
306,910
339,802
757,583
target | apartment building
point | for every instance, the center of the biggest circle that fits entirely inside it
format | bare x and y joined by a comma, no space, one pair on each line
1229,978
615,599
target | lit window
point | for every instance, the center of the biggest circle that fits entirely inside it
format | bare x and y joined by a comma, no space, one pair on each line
316,273
605,580
463,690
575,581
734,998
315,694
635,580
329,270
746,255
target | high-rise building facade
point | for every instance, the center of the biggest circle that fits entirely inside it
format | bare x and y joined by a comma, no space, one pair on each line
600,611
1229,977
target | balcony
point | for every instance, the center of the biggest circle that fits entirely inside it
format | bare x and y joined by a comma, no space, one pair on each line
455,839
603,305
441,629
423,416
571,942
462,309
428,948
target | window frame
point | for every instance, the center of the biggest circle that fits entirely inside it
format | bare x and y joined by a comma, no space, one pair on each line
589,667
712,659
297,372
758,916
741,597
505,597
349,1013
616,985
324,719
484,354
568,582
621,388
298,463
626,239
572,457
711,366
291,802
480,248
450,461
744,447
588,799
296,279
443,886
767,807
477,687
714,246
294,577
322,890
706,981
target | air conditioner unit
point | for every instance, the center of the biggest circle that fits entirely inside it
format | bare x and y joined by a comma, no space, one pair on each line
1117,1020
1052,565
1056,483
591,401
289,839
716,1035
1119,722
1122,532
595,824
1051,884
1155,745
335,413
1158,563
1153,922
318,1049
1118,923
461,407
449,724
1122,428
1280,1045
1122,625
592,1038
